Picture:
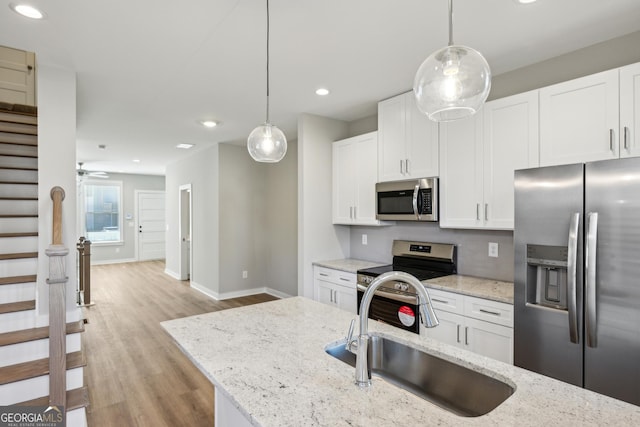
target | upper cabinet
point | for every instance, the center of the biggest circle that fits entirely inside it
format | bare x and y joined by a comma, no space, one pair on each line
579,120
630,111
478,157
354,180
407,140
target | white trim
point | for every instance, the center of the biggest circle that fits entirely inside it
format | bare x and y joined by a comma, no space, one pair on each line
171,274
189,189
237,294
113,261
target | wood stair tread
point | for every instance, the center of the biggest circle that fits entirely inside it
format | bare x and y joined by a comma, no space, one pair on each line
26,234
12,307
19,255
37,368
33,334
18,168
18,139
76,398
19,216
27,110
19,182
18,128
17,279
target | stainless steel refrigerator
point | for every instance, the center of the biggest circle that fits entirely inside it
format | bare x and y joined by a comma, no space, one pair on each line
577,275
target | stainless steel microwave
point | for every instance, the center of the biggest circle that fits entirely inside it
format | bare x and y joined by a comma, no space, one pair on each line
411,200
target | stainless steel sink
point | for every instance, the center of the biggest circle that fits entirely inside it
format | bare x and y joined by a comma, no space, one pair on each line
453,387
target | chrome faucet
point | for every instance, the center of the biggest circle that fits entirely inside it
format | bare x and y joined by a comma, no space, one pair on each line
427,316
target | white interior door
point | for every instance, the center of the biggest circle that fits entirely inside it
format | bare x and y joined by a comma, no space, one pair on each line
151,225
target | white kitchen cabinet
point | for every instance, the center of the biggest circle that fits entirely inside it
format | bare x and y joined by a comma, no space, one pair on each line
630,111
336,288
579,120
407,140
478,157
354,180
478,325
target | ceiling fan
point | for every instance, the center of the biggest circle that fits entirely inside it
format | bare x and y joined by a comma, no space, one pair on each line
82,173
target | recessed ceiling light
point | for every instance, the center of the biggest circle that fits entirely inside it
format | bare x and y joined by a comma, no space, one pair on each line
322,91
525,1
209,123
136,160
184,146
27,11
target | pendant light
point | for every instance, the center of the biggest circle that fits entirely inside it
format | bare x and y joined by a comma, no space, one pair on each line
453,82
267,143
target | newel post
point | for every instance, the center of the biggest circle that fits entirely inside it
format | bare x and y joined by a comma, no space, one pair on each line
57,280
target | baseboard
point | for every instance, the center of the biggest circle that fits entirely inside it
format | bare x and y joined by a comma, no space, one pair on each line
113,261
237,294
172,274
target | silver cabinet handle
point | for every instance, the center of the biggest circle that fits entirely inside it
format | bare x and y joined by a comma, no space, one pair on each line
344,279
457,331
415,201
572,289
494,313
590,287
626,138
486,211
355,212
478,211
406,166
350,212
439,300
611,136
466,335
401,166
324,274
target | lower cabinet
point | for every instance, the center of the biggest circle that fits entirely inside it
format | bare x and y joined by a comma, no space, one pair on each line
482,326
335,287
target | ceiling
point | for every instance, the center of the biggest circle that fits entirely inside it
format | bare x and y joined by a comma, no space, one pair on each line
148,71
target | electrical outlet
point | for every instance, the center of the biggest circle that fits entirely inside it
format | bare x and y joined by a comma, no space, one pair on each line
493,250
117,250
364,239
245,274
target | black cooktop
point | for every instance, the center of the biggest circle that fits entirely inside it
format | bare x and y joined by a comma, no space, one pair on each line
420,274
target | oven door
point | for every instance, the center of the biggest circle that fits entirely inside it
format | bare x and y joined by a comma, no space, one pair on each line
399,311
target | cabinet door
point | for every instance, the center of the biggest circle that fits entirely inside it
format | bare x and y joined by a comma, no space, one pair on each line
391,139
630,111
344,184
365,160
449,331
421,142
579,120
347,299
461,173
324,292
510,142
489,339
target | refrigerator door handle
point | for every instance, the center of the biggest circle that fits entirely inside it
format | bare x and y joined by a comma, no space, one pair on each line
590,287
572,256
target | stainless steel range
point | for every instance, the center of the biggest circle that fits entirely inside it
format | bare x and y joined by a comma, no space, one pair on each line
395,303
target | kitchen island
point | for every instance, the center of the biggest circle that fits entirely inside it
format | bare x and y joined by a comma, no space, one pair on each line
268,362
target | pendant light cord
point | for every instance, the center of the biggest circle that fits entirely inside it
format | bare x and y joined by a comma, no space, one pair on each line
267,61
450,22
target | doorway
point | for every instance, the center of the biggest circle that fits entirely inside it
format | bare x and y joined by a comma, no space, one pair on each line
151,233
185,238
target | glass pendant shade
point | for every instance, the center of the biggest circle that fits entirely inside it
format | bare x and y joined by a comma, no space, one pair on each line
267,143
452,83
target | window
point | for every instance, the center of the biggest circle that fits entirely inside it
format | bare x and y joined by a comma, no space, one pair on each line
103,212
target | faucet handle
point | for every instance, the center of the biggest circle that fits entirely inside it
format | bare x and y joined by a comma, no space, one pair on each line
349,345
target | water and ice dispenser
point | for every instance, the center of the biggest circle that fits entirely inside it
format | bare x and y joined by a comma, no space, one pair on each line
547,276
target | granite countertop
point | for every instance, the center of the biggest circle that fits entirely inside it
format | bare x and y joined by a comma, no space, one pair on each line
349,265
495,290
276,372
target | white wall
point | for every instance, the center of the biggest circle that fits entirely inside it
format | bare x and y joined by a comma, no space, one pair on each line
56,167
318,238
127,250
201,171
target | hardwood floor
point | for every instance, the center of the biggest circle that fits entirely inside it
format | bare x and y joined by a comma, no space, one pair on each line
136,375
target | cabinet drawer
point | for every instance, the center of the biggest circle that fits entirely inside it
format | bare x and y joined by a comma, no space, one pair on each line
447,301
335,276
489,311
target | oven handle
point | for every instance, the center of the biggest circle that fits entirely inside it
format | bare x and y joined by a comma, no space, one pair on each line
392,296
416,191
